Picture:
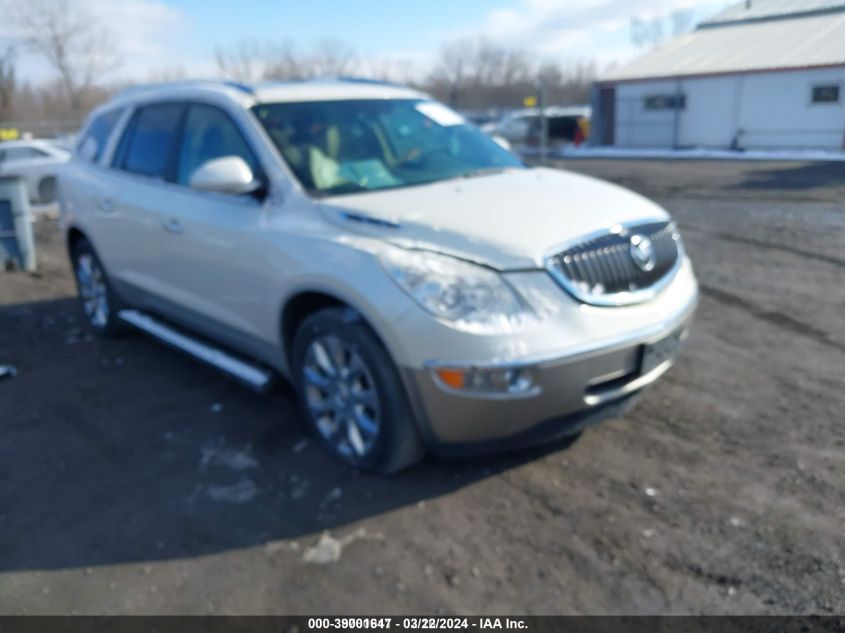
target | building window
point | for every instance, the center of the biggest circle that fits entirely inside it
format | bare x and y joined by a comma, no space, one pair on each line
665,102
826,94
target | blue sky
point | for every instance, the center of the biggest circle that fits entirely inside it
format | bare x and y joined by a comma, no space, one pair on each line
158,37
383,26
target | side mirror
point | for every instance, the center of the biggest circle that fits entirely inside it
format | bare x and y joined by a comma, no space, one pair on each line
229,174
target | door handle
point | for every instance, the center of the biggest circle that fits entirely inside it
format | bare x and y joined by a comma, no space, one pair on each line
173,226
106,205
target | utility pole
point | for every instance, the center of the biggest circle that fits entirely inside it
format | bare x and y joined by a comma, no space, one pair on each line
544,123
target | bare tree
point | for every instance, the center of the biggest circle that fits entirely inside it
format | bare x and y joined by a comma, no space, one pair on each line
284,61
483,74
241,61
332,58
550,73
648,33
470,73
515,67
248,60
73,42
388,69
8,81
167,74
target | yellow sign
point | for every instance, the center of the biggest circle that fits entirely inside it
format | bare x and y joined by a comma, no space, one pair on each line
9,134
529,102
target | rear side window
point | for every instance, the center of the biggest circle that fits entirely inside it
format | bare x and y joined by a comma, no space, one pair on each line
210,133
93,142
23,153
147,145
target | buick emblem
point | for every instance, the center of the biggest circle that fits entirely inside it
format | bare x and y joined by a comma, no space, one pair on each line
642,252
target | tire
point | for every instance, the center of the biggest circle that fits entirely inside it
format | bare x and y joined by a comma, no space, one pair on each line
345,378
47,190
97,298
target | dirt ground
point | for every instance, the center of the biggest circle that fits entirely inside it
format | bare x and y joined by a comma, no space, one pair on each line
134,480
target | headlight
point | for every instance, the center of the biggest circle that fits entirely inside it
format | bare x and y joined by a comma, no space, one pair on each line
468,296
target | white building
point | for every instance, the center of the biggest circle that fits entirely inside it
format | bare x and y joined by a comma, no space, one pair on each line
763,74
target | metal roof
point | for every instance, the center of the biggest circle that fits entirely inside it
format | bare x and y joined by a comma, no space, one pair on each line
766,41
771,9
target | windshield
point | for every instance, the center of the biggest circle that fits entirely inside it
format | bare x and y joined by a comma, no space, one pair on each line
336,147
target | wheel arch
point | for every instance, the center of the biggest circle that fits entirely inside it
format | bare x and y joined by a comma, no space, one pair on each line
306,302
73,236
44,180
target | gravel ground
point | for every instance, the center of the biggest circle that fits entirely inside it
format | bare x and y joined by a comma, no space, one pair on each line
134,480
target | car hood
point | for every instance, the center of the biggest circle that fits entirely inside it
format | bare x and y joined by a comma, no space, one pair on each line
509,220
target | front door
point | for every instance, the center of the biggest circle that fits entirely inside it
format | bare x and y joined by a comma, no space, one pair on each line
217,251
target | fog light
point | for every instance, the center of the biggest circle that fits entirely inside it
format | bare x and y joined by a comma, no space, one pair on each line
502,381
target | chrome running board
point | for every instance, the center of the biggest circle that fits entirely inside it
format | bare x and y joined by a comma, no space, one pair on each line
249,373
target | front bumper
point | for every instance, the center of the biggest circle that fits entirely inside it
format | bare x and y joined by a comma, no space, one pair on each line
571,392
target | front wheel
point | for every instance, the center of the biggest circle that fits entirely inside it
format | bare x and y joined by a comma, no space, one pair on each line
351,393
99,303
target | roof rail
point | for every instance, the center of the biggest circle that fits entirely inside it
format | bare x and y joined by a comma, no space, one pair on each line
366,80
237,85
241,87
330,78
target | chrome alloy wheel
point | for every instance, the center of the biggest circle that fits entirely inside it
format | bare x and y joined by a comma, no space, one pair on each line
92,290
341,396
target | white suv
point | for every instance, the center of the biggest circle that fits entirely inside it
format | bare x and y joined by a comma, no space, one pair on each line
421,287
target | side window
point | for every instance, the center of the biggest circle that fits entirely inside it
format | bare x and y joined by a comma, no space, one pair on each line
665,102
210,133
16,153
147,144
826,93
23,153
90,147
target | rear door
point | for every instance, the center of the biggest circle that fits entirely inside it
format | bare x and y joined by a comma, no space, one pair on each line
135,200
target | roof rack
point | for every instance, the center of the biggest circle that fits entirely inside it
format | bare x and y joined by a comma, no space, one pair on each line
332,78
250,89
366,80
241,87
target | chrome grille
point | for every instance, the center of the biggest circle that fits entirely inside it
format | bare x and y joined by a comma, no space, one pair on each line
624,265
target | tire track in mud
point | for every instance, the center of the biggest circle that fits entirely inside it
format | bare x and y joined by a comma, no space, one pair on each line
738,239
772,316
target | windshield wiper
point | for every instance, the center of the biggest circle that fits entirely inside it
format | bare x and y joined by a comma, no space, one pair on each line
483,171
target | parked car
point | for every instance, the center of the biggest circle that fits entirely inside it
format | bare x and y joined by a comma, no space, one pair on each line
422,288
523,127
37,162
480,117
